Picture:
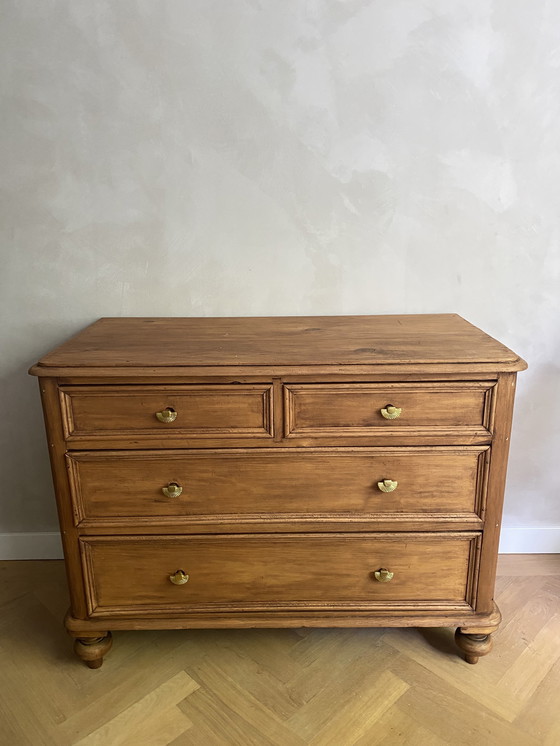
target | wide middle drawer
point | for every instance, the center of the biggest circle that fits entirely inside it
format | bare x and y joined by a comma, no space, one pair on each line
113,484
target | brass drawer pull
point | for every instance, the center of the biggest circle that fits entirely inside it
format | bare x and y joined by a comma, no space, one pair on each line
383,575
179,578
390,412
167,415
172,490
387,485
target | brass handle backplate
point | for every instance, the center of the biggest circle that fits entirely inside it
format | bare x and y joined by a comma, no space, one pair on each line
387,485
172,490
179,577
167,415
390,412
383,575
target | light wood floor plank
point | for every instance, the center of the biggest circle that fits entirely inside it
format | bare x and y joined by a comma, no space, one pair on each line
160,730
533,664
352,721
128,725
529,564
471,723
213,678
343,679
478,682
516,592
398,728
541,715
281,699
221,723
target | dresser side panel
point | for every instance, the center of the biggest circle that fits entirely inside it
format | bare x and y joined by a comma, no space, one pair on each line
502,415
69,534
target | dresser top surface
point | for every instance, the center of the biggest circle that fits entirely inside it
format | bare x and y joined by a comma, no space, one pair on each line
278,341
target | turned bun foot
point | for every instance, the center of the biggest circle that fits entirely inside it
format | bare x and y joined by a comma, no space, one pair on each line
473,645
92,649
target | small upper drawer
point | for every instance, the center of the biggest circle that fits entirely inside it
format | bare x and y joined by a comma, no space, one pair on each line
139,412
358,409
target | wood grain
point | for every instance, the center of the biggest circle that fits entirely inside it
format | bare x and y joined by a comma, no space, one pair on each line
253,572
200,410
233,483
313,340
355,409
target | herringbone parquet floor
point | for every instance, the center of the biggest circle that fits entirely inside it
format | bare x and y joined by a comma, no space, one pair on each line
286,687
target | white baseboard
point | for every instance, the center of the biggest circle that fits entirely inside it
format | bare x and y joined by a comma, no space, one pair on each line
47,545
544,540
44,545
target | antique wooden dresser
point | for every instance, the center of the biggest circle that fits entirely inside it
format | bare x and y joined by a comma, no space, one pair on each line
279,472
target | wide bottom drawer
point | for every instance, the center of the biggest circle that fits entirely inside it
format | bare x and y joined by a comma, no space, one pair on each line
160,575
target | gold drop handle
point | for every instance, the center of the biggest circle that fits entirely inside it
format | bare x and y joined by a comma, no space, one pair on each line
390,412
387,485
383,575
167,415
179,578
172,490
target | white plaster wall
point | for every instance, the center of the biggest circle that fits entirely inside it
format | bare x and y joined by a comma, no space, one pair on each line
254,157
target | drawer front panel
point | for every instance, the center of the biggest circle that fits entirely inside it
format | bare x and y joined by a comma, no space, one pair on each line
164,411
358,409
248,572
360,481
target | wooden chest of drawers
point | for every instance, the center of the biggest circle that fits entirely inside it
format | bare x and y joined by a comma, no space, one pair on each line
281,472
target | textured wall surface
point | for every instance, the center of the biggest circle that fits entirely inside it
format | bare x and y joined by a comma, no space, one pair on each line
255,157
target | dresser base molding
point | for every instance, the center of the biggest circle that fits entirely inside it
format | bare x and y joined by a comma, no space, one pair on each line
473,635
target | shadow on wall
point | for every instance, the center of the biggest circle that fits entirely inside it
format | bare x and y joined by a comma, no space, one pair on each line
27,503
537,413
27,495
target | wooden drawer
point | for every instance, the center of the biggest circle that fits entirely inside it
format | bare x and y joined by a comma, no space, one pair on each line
277,483
196,411
358,409
249,572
